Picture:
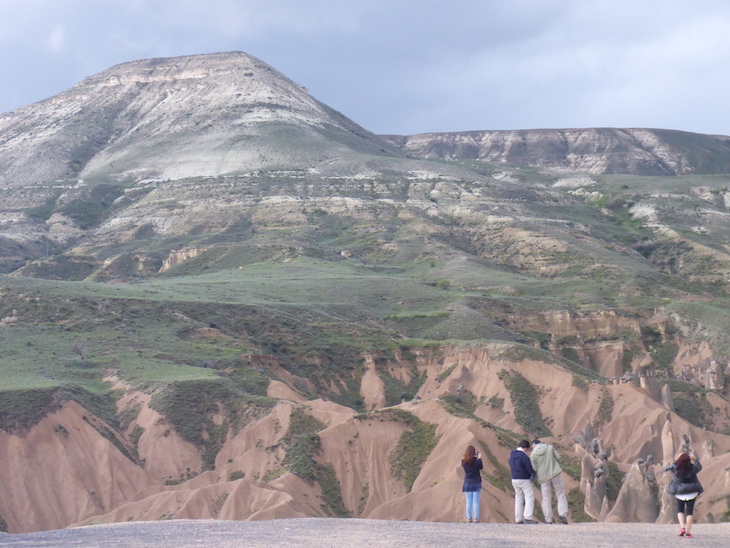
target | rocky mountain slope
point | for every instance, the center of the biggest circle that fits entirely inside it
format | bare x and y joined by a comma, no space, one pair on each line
594,150
183,117
223,299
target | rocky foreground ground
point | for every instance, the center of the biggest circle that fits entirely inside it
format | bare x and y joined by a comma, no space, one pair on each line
352,533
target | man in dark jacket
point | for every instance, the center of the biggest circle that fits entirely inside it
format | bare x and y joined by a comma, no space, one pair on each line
522,475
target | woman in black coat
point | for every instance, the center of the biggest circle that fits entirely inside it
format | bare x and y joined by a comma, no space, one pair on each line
686,488
472,488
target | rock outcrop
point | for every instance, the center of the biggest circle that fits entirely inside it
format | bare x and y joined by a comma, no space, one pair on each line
599,150
200,115
636,501
594,473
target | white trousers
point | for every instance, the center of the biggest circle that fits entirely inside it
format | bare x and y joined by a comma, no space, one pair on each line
524,499
547,488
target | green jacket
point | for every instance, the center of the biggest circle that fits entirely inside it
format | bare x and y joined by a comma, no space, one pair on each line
544,459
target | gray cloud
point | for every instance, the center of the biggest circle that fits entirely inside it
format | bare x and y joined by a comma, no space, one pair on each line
410,66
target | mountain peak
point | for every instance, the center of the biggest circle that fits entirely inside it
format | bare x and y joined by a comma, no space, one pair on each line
234,78
212,114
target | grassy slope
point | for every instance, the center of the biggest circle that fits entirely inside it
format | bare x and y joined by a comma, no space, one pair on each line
139,328
193,336
314,306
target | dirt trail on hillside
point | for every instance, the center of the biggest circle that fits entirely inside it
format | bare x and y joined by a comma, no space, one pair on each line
355,533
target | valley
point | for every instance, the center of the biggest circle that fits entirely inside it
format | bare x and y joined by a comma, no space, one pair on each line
233,302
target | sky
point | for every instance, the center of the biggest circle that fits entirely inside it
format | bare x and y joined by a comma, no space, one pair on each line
410,66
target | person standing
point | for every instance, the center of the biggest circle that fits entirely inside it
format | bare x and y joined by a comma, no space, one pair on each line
522,475
545,460
686,487
472,488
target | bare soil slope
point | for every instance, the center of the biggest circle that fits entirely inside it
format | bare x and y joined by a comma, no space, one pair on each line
64,471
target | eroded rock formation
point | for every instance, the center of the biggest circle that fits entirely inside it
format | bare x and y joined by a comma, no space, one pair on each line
636,502
594,473
593,482
641,150
251,481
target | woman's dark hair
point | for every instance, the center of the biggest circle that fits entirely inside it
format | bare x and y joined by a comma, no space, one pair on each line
684,463
469,455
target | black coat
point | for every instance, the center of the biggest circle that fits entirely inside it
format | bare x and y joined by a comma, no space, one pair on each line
685,483
472,475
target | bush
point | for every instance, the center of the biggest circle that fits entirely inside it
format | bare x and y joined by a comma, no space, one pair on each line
525,397
496,403
44,211
89,210
605,409
191,405
694,408
650,336
614,481
331,491
461,405
572,355
413,448
301,443
576,504
664,354
20,410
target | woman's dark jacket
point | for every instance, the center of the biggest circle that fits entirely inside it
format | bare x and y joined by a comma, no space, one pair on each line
473,476
685,483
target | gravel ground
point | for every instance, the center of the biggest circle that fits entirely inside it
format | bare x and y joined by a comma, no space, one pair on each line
355,533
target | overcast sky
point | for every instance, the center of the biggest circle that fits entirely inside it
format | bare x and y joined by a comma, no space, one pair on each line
410,66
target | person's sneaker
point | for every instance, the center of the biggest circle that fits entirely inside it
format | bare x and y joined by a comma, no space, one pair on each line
563,519
688,535
470,520
530,521
681,532
519,522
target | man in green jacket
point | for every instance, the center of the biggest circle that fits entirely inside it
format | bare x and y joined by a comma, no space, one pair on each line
545,460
